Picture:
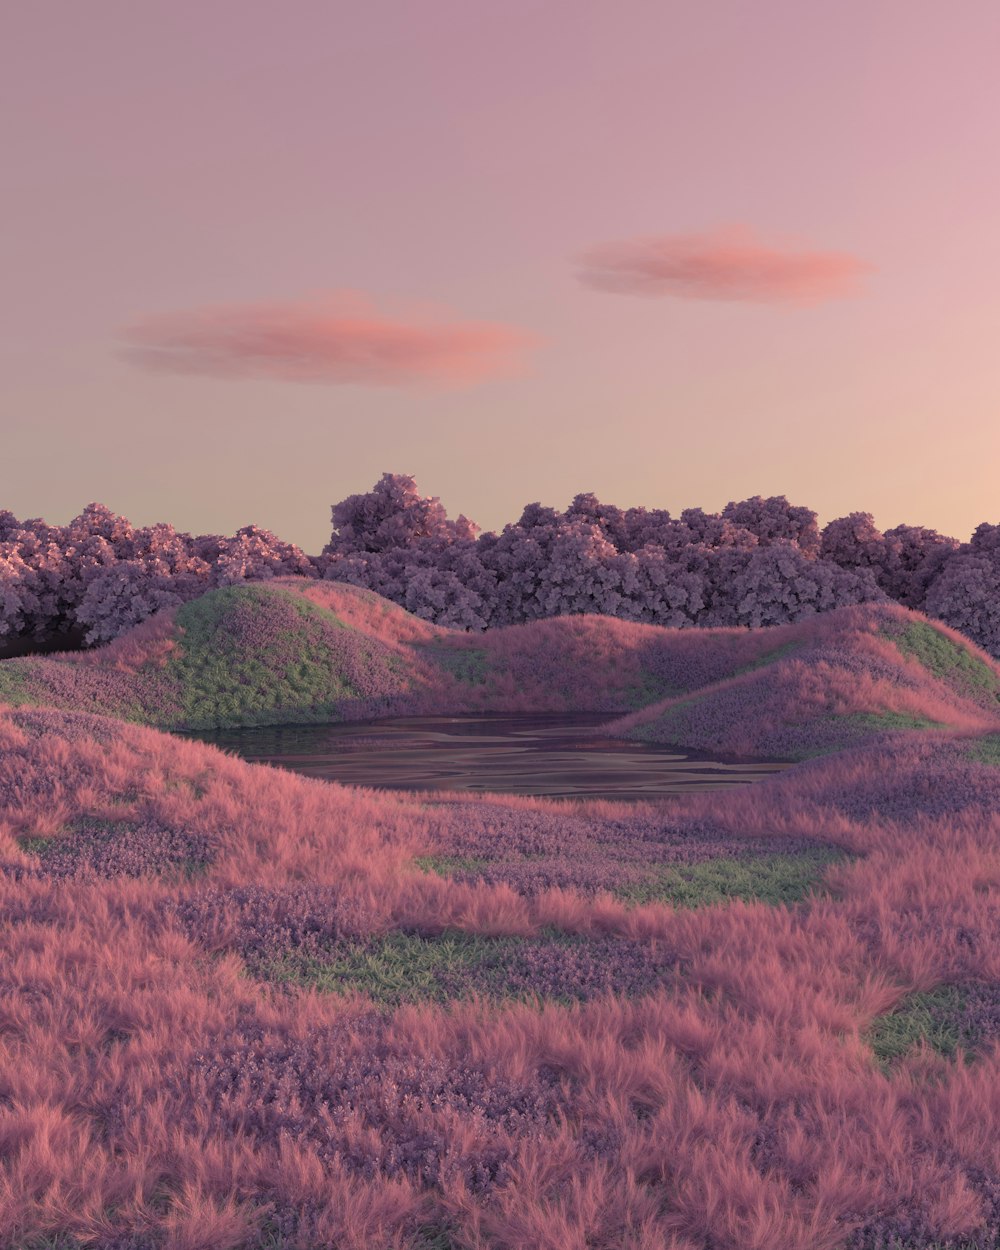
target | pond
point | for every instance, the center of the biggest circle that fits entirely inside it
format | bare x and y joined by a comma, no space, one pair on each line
552,756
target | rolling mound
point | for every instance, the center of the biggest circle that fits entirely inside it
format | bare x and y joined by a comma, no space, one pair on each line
241,655
832,682
295,651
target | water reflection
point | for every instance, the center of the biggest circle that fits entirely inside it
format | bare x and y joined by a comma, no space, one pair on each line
551,756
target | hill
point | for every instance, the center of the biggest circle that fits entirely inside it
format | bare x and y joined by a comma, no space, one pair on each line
292,650
295,651
831,682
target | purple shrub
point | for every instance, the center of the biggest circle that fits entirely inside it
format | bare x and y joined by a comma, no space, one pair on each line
259,923
594,558
357,1093
779,583
124,848
611,521
254,554
853,542
100,575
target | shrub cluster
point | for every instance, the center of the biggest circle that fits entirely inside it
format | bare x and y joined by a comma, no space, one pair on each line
757,562
98,576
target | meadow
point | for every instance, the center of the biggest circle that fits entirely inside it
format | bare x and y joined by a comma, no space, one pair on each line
247,1010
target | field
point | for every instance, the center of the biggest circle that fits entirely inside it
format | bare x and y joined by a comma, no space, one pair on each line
245,1010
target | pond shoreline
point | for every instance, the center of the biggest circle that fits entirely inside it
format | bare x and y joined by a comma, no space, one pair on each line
554,755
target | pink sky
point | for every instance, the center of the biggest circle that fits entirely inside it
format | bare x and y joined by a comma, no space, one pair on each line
254,254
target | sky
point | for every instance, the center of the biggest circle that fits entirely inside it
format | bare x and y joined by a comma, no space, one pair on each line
673,253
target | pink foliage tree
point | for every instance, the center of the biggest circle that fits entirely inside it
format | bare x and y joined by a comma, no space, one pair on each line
160,573
254,554
915,556
966,592
776,520
34,574
904,560
100,575
392,515
661,589
759,561
18,602
780,583
853,542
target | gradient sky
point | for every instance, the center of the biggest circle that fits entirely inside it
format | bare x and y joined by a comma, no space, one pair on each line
255,254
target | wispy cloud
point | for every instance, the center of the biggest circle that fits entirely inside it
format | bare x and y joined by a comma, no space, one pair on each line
336,339
731,263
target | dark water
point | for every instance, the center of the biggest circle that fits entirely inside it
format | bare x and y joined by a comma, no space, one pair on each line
551,756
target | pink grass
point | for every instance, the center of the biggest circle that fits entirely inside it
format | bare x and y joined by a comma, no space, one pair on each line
744,1111
150,1088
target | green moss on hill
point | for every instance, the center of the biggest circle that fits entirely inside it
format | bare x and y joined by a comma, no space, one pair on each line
891,720
470,665
13,683
250,655
771,657
773,879
944,658
986,750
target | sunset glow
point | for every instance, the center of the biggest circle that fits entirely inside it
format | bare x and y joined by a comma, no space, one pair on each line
806,193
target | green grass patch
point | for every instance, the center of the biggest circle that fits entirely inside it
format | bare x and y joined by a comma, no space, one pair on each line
859,726
896,1244
944,658
466,664
434,1237
250,655
653,689
774,879
986,750
14,683
771,657
445,865
655,730
649,689
402,968
35,846
891,720
407,968
57,1241
265,1237
919,1018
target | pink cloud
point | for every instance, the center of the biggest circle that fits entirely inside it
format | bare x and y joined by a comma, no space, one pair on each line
725,264
337,339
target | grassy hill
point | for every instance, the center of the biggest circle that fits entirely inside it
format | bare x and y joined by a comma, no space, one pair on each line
242,655
831,682
295,651
292,651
